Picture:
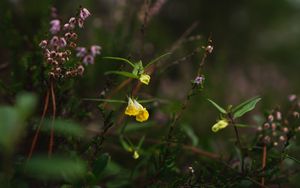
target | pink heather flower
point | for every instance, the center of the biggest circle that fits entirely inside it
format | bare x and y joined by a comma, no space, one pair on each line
43,44
72,21
55,26
66,26
89,59
84,13
62,42
292,97
95,50
81,51
199,80
54,41
80,23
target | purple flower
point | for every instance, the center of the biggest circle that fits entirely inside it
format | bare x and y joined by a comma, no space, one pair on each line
81,51
199,80
95,50
54,41
84,13
55,26
89,59
62,42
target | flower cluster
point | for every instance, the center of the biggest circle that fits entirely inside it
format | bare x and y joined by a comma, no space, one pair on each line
88,56
63,41
278,129
134,108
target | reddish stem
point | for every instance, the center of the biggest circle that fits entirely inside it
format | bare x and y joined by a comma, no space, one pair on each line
264,158
33,144
53,119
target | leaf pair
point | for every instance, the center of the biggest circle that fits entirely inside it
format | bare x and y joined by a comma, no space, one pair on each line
138,68
240,109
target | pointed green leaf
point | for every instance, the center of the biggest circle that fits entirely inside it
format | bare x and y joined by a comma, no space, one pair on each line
105,100
122,73
121,59
100,164
217,106
245,107
156,59
140,143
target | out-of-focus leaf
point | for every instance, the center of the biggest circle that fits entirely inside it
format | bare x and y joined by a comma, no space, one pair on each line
26,103
100,164
140,143
157,59
245,107
65,127
55,168
131,127
191,134
10,127
243,125
121,59
125,145
122,73
217,106
106,100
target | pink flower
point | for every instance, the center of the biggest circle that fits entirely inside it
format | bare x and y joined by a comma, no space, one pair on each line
95,49
55,26
84,13
62,42
43,44
80,23
54,41
89,59
81,51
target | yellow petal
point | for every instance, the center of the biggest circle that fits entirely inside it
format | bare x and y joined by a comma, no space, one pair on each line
132,109
145,79
221,124
135,155
143,115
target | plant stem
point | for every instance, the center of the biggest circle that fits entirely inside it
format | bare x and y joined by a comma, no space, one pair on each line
264,159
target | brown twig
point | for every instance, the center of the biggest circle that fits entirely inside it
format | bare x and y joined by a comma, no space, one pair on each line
264,159
33,144
51,142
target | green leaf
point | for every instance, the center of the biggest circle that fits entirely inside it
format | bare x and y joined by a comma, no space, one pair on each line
121,59
191,134
140,143
55,168
122,73
217,106
243,125
245,107
100,164
105,100
65,127
26,103
156,59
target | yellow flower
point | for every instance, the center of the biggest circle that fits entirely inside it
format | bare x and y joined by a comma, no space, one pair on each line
135,155
221,124
145,78
134,108
142,116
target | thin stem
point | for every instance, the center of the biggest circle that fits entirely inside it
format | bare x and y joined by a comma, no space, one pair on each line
53,119
264,159
33,144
